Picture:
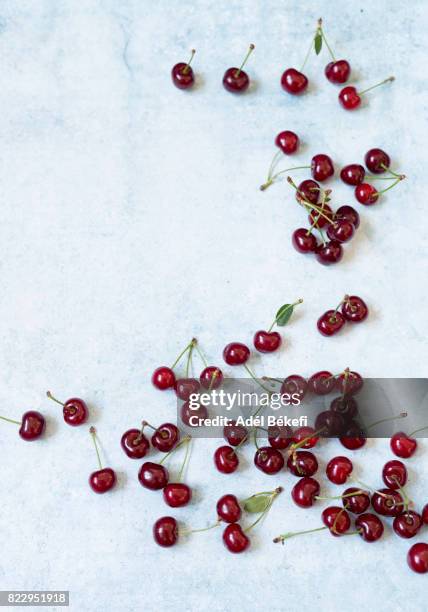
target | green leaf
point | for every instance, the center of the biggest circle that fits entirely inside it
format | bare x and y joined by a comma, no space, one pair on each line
257,503
283,315
318,42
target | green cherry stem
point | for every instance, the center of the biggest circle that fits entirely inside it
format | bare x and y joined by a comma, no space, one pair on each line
417,431
264,513
93,433
391,186
388,80
10,420
201,355
187,66
254,377
321,31
183,352
341,496
185,532
390,171
189,356
250,50
185,460
286,536
51,397
183,441
308,205
290,306
272,179
402,415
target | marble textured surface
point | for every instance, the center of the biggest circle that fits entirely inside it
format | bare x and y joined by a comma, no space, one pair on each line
131,220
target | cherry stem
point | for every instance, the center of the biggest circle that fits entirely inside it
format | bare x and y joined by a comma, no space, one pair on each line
187,532
187,66
185,460
274,495
272,179
299,301
201,355
407,501
278,380
250,50
254,377
370,177
342,496
298,445
258,495
255,438
183,441
308,205
366,486
146,424
388,80
273,164
390,171
50,396
417,431
189,356
321,31
94,438
215,374
183,352
286,536
402,415
393,184
10,420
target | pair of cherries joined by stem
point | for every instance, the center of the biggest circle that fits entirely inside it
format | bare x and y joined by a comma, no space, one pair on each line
136,445
352,309
321,166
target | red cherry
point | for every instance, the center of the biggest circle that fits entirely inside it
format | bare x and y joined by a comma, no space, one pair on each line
182,74
153,476
353,438
279,436
309,190
387,502
166,437
366,194
377,161
163,378
349,214
234,434
193,416
185,387
407,524
211,377
321,383
294,385
236,353
267,342
369,526
165,531
134,444
305,491
236,80
417,558
354,309
302,463
338,71
330,322
305,433
403,446
342,231
425,514
177,494
337,520
228,509
321,167
235,539
349,383
329,253
394,474
303,241
332,423
339,469
349,98
226,460
317,217
346,406
269,460
287,141
353,174
293,81
102,480
74,410
32,425
355,500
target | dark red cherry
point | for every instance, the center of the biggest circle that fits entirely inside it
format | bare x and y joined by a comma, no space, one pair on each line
332,423
342,231
338,71
321,167
102,480
349,98
74,410
366,194
235,539
308,190
417,558
425,514
185,387
163,378
279,436
177,494
402,446
321,383
354,309
308,434
294,385
269,460
349,383
153,476
226,460
293,81
302,463
377,161
329,253
165,531
407,524
236,80
166,437
228,509
330,322
349,214
394,474
236,353
353,437
234,434
303,241
135,444
317,217
387,502
339,469
211,377
193,417
336,519
182,74
32,425
346,406
267,342
355,500
353,174
287,141
369,526
305,491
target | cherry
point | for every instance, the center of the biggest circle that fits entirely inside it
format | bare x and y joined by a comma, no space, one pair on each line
354,309
135,444
166,437
321,383
349,214
332,423
228,509
182,74
294,385
353,174
226,460
153,476
235,434
211,377
305,491
387,502
425,514
74,410
377,161
302,463
303,241
267,342
321,220
346,406
349,383
330,322
355,500
279,436
307,435
32,425
236,353
341,230
308,190
321,167
185,387
369,526
163,378
192,416
165,531
402,445
417,558
339,469
236,80
104,479
329,253
350,98
177,494
338,71
407,524
336,519
366,194
394,474
287,141
269,460
235,539
353,437
293,81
